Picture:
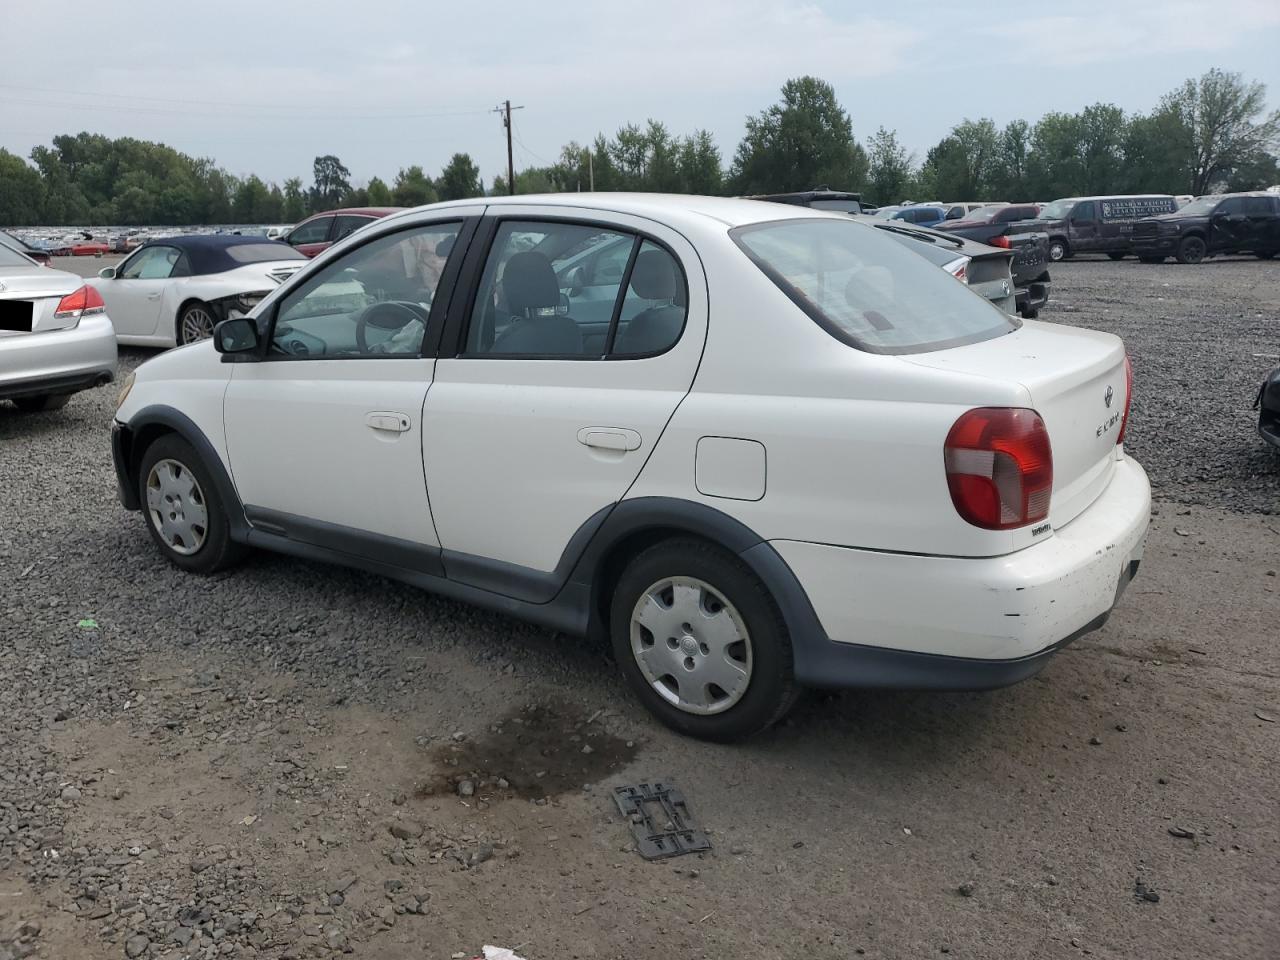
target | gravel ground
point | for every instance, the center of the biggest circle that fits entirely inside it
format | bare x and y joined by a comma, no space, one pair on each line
290,760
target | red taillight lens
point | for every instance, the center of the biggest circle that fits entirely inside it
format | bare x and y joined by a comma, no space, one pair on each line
1128,398
1000,467
1003,243
82,302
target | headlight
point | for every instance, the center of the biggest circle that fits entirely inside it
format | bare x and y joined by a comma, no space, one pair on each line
124,390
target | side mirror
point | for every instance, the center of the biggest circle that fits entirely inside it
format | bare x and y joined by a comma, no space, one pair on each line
236,339
107,273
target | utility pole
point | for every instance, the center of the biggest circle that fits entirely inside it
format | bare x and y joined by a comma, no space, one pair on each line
505,109
591,171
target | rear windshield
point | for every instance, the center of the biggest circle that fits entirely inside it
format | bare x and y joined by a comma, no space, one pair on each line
258,252
868,291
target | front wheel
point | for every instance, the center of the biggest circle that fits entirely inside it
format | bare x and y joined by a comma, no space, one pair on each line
185,515
195,323
1058,250
701,641
42,403
1117,255
1191,250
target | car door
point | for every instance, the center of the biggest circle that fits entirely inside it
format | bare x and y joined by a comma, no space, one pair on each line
1229,225
1260,212
537,424
1083,227
324,431
311,236
135,294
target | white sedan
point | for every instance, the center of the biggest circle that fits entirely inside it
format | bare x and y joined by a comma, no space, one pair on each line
55,337
761,448
172,291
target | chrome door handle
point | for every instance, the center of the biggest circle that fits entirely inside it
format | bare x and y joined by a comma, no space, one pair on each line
609,438
389,421
153,296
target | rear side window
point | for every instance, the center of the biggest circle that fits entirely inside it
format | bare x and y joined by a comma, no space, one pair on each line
262,252
866,290
1014,214
346,225
1258,206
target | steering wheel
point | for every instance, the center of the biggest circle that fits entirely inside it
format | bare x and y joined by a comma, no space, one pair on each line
389,315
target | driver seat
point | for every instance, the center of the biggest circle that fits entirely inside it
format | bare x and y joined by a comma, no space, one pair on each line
533,295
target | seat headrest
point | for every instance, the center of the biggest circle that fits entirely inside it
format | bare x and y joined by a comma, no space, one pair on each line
654,276
529,283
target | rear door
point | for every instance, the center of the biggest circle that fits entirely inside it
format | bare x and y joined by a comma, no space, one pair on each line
1262,228
546,411
325,432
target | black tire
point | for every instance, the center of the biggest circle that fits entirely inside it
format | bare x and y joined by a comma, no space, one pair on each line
42,403
195,323
213,547
770,690
1058,250
1191,250
1151,259
1116,255
1265,254
1030,314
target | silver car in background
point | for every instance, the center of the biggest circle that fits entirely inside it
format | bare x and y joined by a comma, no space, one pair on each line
55,336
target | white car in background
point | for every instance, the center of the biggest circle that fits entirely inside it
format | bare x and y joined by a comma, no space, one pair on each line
769,447
172,291
55,337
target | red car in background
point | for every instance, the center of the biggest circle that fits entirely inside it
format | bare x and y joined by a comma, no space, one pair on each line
323,230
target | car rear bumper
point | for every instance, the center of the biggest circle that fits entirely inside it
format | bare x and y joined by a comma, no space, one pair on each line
1032,297
58,361
920,622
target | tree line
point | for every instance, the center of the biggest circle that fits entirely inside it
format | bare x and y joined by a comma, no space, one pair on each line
1210,133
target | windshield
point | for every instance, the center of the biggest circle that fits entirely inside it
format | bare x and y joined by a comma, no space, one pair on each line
1058,210
867,290
1202,206
259,252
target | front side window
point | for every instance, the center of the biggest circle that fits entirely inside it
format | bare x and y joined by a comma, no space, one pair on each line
866,290
1059,209
153,263
313,231
1083,211
565,290
373,302
1231,207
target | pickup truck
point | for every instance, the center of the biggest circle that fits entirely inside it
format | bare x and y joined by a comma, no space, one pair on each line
1231,223
1003,226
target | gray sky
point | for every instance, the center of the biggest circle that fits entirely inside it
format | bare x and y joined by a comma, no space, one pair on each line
264,87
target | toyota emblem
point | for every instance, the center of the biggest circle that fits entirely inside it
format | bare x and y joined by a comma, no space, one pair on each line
1106,398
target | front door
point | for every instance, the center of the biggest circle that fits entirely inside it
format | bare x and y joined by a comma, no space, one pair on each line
1264,226
1229,225
325,431
1084,227
133,297
551,406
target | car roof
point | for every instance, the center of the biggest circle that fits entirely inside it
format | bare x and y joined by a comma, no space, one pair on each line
671,208
1120,196
360,211
207,253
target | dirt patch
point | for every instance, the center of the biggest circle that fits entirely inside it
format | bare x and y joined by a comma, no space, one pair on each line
540,751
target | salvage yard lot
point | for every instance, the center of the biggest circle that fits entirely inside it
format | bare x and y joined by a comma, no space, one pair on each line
264,763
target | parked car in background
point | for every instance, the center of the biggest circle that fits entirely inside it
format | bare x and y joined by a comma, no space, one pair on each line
1012,227
961,211
320,232
279,231
922,214
909,433
172,291
1098,224
1229,223
26,249
820,198
1268,407
55,336
887,211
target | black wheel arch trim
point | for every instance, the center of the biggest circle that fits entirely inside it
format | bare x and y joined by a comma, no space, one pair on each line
128,459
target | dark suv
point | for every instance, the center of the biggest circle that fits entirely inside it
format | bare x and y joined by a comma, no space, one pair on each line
1227,223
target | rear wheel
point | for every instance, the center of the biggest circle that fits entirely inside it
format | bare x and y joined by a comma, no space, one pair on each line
702,642
1117,255
1058,250
1191,250
185,516
1152,259
195,323
42,403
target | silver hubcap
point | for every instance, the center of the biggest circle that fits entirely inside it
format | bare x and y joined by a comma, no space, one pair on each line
691,645
197,324
176,505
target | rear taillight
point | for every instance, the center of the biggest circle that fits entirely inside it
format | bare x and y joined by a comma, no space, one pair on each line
1128,398
1000,467
958,268
83,303
1004,243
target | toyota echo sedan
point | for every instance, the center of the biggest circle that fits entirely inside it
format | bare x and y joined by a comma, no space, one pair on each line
759,448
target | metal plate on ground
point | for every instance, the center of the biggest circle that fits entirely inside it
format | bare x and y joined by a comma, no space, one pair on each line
661,823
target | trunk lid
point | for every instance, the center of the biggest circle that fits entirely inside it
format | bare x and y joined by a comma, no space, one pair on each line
40,287
1075,380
